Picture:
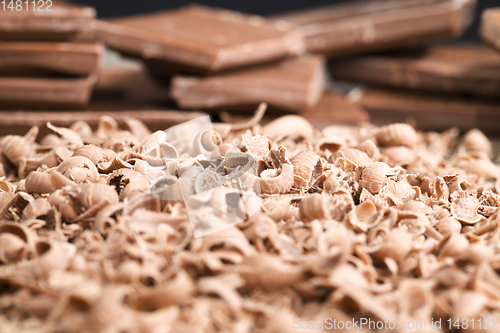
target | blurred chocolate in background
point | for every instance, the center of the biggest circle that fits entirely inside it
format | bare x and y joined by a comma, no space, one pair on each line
259,7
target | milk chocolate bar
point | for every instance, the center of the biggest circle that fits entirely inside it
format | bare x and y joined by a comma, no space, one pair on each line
17,122
201,39
429,111
457,69
490,27
334,108
45,92
55,21
63,58
294,84
362,26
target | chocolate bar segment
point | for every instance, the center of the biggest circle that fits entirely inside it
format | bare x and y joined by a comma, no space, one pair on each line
295,84
490,27
201,39
63,58
335,108
61,22
362,26
18,122
45,92
457,69
429,111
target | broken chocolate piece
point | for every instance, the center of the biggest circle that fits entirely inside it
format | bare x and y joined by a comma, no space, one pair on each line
490,27
203,39
361,26
45,92
454,69
63,58
432,112
334,108
295,84
62,22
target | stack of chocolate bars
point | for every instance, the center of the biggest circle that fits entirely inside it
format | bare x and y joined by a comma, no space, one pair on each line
217,59
49,56
211,60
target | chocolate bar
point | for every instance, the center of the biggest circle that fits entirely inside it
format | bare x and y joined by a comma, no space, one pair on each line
362,26
62,58
17,122
48,21
334,108
457,69
45,92
201,39
295,84
490,27
429,111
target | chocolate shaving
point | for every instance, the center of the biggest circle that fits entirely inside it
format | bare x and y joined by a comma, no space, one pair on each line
343,228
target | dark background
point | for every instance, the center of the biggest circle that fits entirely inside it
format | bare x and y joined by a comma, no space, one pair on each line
108,8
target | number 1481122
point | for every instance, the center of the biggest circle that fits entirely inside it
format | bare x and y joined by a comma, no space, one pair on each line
26,5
